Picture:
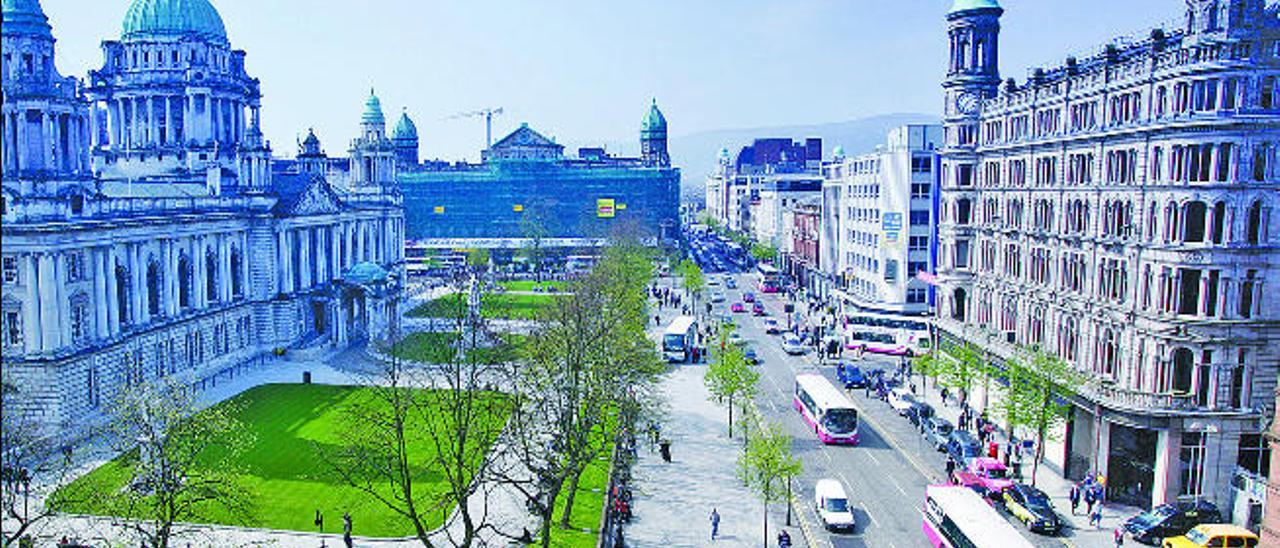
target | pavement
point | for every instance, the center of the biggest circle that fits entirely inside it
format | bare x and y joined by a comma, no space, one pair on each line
673,501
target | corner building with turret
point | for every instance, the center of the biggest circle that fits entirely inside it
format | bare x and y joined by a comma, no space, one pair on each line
1118,211
148,232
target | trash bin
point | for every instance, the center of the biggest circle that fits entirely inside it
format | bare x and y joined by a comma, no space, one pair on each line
993,449
306,377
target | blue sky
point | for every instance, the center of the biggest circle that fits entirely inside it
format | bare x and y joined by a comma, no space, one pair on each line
584,71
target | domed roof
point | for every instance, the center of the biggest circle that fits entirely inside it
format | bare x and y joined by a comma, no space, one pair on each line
966,5
838,152
24,17
311,138
372,110
173,18
654,120
365,273
405,128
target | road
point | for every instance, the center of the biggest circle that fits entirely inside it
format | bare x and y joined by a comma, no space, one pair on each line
885,475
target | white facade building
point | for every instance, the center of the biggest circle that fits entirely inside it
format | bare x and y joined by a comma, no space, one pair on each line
1118,211
181,254
878,223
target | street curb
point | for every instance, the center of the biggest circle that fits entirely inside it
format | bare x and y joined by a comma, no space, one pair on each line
797,509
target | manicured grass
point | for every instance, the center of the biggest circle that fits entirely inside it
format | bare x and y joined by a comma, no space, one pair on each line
528,285
433,347
586,508
504,306
292,426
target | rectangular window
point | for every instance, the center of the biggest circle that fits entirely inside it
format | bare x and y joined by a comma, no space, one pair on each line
917,295
921,164
918,243
10,268
919,217
961,258
1192,455
920,190
916,267
12,328
891,270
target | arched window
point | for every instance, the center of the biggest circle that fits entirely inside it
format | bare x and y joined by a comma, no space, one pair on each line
122,293
1108,352
1068,338
153,288
1183,368
1193,222
211,276
1218,233
237,281
1253,228
1247,288
184,281
959,302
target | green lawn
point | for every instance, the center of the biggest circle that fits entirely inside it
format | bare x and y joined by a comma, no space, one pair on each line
292,424
527,285
494,306
431,347
586,508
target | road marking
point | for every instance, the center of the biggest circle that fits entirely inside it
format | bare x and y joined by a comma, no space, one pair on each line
873,458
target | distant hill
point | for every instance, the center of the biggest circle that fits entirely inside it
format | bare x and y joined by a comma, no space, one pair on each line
696,153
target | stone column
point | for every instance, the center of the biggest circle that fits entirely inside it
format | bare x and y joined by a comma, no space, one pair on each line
322,255
49,337
224,268
137,273
20,147
170,138
101,323
289,265
280,258
335,259
48,138
307,265
113,289
33,333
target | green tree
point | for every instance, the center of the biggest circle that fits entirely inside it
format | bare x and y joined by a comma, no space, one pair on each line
729,376
1043,397
768,466
960,367
764,253
692,278
478,259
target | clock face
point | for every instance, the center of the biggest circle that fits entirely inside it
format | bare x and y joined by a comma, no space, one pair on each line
967,102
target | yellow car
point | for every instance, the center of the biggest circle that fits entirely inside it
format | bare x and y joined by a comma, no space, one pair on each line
1214,534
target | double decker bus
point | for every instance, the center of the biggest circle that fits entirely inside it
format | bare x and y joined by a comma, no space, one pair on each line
957,517
678,339
890,334
827,410
767,278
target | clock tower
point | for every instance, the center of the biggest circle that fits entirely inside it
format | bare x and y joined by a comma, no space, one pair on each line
973,74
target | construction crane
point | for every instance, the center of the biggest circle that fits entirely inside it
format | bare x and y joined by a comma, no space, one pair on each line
488,115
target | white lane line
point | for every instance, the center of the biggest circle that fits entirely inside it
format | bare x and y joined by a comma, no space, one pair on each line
871,455
897,485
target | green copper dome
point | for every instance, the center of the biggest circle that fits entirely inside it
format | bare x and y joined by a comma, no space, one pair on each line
24,17
151,19
654,121
967,5
405,128
372,110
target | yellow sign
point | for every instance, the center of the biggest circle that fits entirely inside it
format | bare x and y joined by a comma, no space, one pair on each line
621,207
517,208
439,209
605,208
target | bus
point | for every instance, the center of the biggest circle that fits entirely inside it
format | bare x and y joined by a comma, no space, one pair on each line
678,339
826,409
957,517
890,334
767,280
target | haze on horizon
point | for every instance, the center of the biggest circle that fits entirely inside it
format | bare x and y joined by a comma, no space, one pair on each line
584,72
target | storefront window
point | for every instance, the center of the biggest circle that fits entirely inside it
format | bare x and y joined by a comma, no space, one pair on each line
1192,458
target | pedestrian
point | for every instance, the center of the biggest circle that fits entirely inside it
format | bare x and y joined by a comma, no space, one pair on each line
664,447
951,467
1118,535
944,396
1074,495
319,521
784,539
1095,517
346,529
657,320
715,523
1090,497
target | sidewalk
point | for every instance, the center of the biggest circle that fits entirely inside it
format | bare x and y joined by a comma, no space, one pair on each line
1049,481
673,501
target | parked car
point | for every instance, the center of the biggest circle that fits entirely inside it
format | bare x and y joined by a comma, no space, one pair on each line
748,297
727,319
731,283
757,309
918,413
991,472
937,431
792,344
832,505
1033,508
1170,520
737,307
771,326
962,446
851,375
1213,534
900,399
736,338
751,356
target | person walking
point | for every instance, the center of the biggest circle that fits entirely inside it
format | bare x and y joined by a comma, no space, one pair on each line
944,396
784,539
715,524
1095,517
1074,495
1090,497
346,529
1118,536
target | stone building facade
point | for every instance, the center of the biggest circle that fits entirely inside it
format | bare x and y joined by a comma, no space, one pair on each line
1118,211
182,252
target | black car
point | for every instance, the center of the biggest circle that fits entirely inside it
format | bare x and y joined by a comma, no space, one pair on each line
1170,520
1032,507
937,431
962,446
918,413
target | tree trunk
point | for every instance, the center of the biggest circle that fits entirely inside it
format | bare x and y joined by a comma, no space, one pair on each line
568,501
731,416
766,525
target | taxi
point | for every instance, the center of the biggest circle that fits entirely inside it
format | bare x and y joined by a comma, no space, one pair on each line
1213,534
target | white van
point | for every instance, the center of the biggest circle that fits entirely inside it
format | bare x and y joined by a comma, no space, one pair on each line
832,506
791,344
